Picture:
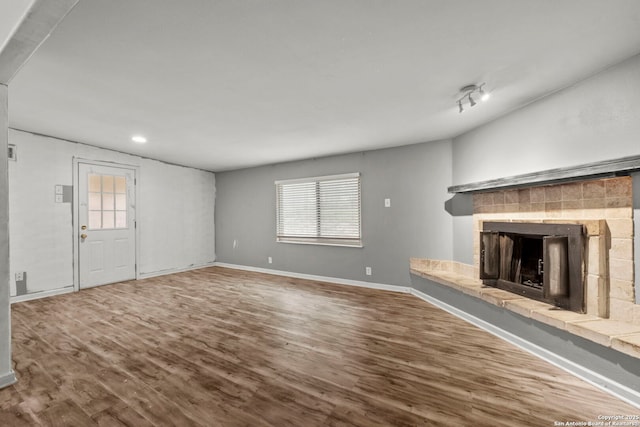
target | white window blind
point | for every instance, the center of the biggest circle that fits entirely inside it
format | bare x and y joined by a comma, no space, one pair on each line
323,210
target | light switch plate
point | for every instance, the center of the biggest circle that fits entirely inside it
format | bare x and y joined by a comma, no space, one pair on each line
387,203
12,152
58,198
58,189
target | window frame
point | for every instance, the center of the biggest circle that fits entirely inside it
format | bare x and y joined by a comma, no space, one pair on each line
318,239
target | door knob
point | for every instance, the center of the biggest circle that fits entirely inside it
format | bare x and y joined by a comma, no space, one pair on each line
84,227
83,236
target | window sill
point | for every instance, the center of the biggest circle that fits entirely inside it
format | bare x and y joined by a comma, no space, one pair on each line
320,242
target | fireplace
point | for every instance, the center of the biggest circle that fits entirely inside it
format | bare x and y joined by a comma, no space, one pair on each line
540,261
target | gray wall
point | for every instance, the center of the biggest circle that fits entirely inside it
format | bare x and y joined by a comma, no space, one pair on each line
462,213
597,119
6,374
414,177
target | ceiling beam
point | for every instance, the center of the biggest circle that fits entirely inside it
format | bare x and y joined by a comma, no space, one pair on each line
41,19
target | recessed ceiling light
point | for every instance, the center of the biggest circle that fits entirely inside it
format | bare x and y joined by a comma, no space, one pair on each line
139,139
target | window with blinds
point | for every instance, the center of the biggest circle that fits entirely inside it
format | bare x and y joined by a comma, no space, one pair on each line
319,210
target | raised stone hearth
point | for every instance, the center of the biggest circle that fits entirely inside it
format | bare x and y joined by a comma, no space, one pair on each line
604,207
619,335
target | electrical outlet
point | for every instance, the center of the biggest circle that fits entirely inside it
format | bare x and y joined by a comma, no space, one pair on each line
19,276
270,260
367,271
387,203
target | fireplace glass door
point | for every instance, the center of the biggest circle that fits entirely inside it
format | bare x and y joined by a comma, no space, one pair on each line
534,260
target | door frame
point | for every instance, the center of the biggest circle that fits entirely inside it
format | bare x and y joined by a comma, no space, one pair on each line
76,212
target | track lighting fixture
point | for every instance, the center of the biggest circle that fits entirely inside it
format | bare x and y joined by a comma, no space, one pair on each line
466,93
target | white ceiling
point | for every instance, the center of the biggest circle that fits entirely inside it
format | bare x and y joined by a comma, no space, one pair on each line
226,84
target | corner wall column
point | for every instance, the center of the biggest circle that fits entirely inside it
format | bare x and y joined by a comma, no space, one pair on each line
39,21
7,376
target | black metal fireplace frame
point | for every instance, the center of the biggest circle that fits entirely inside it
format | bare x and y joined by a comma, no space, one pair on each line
574,299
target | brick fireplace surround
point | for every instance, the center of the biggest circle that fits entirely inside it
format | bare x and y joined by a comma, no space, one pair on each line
605,208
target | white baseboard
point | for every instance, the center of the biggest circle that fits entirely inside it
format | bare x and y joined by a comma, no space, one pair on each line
360,283
41,294
8,379
174,270
69,289
616,389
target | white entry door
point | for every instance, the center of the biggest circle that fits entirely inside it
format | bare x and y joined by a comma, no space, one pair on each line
106,222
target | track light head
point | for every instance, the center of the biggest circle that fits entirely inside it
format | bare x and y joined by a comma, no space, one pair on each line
460,107
472,102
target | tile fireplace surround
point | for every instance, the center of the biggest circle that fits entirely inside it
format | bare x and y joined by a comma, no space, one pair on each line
605,208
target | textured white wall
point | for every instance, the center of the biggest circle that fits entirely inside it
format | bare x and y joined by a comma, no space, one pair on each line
175,212
176,216
597,119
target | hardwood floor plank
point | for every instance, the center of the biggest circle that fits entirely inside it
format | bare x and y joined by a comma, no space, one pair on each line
17,416
37,390
118,416
218,347
371,414
9,398
283,406
65,413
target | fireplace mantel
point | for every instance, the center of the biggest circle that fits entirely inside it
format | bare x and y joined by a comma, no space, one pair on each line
603,169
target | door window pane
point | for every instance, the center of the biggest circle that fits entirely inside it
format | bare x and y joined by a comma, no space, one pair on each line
95,202
121,184
107,183
94,183
95,220
107,201
121,202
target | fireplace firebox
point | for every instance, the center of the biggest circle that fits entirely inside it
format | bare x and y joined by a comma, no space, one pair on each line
539,261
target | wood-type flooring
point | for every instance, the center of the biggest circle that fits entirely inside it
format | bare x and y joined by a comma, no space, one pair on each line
222,347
